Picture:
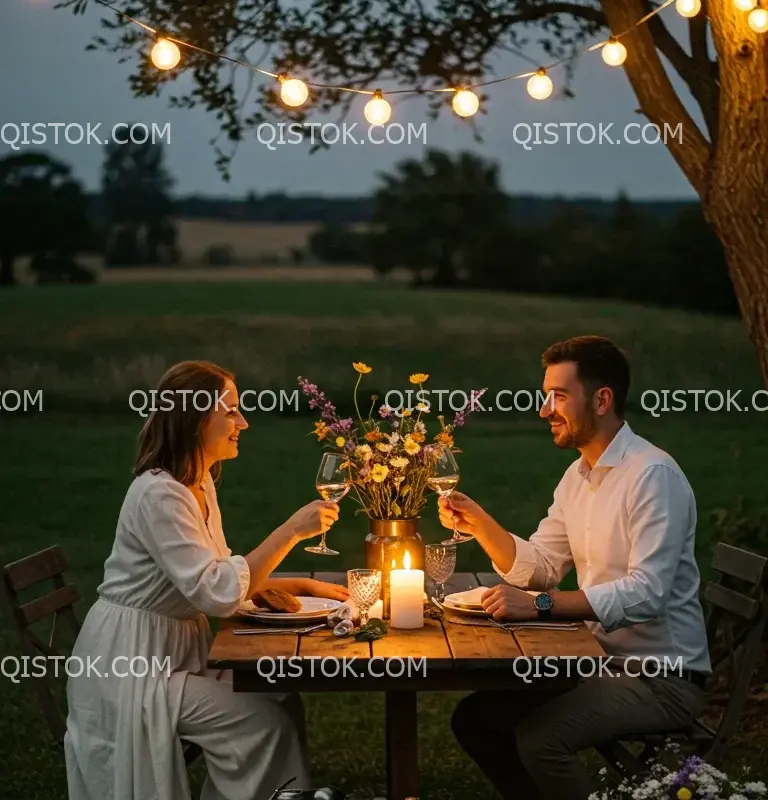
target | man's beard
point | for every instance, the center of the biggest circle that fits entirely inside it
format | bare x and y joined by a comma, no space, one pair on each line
576,435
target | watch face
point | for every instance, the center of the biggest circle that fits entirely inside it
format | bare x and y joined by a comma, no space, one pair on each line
543,602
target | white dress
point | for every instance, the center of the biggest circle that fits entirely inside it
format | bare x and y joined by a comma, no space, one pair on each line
147,638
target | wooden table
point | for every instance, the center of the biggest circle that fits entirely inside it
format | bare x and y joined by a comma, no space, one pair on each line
439,657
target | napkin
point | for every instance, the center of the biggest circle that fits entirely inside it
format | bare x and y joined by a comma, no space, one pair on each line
473,597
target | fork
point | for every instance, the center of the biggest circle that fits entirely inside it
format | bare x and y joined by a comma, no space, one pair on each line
255,631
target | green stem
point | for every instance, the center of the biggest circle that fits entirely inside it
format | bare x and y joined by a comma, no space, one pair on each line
359,416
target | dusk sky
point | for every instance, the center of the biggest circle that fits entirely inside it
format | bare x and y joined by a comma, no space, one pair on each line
47,76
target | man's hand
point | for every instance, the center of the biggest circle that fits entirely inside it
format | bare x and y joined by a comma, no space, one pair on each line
465,512
509,603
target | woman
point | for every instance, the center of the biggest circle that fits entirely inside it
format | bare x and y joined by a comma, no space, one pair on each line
169,567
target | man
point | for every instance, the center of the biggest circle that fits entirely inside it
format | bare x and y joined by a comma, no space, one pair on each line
624,515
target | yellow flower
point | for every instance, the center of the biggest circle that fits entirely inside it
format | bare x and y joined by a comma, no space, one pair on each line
684,794
379,472
423,407
385,448
406,412
321,430
399,462
363,451
444,438
419,377
340,441
361,367
411,447
417,436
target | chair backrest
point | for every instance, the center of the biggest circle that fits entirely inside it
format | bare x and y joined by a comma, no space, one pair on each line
29,615
737,621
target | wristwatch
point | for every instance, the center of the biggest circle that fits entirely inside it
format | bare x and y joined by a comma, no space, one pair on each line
543,603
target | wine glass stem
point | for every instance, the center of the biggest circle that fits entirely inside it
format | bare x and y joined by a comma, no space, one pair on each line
439,592
363,616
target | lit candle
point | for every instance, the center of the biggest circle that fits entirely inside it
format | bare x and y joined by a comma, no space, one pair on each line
407,596
377,610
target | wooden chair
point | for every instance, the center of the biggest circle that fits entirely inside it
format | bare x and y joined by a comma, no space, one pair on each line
737,622
20,576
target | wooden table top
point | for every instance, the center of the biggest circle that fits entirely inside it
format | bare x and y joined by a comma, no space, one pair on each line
440,656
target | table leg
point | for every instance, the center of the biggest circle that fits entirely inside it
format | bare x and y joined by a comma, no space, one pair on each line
402,745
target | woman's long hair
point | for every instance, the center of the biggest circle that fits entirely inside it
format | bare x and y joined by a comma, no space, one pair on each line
172,437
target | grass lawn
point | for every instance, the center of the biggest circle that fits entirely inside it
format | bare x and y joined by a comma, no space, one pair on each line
66,469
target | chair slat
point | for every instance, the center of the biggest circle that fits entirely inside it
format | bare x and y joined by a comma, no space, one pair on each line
739,563
730,600
48,604
35,568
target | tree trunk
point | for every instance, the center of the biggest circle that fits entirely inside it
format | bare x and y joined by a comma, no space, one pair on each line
7,274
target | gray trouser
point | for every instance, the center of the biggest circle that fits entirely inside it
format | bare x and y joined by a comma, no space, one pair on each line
526,741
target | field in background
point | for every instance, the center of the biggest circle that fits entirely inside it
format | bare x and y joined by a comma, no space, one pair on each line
66,469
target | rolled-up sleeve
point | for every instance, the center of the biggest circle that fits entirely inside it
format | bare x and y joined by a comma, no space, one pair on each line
660,511
542,561
168,525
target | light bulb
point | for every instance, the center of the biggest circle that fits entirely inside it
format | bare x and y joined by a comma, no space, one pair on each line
758,20
745,5
540,85
293,92
688,8
614,53
377,110
165,54
465,102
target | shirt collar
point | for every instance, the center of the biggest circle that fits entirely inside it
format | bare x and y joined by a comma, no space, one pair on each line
613,454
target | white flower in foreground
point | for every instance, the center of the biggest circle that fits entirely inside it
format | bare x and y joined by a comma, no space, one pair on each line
755,787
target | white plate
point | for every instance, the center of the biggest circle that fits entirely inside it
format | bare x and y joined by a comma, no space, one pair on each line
311,608
469,602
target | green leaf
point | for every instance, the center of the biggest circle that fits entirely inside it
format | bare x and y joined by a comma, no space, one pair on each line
374,629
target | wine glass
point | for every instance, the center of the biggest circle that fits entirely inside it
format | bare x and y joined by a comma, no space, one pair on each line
364,588
439,564
444,478
332,483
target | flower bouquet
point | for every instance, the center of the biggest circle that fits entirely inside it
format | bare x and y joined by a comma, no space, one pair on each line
389,459
387,454
694,779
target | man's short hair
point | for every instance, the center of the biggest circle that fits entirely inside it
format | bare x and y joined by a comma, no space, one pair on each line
599,362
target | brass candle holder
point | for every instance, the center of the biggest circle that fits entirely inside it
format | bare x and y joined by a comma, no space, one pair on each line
387,542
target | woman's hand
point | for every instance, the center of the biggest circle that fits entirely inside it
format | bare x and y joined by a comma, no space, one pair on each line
332,591
312,519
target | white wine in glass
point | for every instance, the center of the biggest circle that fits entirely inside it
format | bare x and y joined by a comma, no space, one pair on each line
332,484
444,479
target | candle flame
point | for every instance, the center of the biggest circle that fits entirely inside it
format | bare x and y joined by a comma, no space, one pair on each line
407,560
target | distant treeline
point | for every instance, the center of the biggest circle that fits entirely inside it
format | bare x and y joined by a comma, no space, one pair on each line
280,207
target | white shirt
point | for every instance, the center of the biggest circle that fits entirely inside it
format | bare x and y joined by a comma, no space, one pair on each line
628,526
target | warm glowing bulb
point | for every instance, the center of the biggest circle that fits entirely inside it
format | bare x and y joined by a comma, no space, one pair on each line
614,53
293,92
407,560
377,110
745,5
540,86
165,54
688,8
758,20
465,102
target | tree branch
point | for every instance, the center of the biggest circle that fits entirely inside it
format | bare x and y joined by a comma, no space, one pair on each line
658,98
697,75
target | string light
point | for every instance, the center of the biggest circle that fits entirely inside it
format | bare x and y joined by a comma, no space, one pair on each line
758,20
540,85
165,54
614,53
688,8
465,102
745,5
377,110
293,92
